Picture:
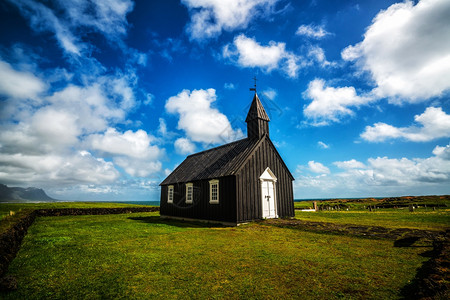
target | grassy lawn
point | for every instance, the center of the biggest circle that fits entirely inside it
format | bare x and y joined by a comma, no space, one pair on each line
140,256
392,218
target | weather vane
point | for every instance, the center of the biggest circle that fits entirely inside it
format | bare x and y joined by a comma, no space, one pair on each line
254,89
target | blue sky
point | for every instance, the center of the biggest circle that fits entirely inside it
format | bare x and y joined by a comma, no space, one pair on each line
101,100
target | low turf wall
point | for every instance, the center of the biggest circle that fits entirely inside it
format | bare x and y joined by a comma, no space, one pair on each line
11,239
92,211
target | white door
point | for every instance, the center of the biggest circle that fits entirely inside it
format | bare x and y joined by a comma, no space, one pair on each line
268,199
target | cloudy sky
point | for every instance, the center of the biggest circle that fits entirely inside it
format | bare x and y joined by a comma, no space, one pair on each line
100,100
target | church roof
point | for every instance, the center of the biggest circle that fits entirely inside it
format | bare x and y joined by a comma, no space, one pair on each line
213,163
256,110
217,162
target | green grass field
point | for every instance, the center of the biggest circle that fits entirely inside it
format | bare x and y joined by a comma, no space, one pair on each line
141,256
361,204
391,218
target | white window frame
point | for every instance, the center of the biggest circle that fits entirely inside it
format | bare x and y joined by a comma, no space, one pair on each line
189,197
170,194
211,184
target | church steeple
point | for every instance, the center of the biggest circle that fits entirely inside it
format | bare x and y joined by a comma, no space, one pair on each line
257,120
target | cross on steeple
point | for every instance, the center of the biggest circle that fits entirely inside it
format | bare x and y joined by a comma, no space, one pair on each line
257,119
254,89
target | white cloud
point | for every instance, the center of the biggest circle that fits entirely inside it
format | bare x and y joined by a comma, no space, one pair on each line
381,176
252,54
86,168
184,146
317,167
98,189
317,54
330,104
210,17
105,100
148,99
49,140
199,120
167,172
168,48
133,144
312,31
349,164
278,144
54,127
130,150
56,169
162,129
247,52
323,145
43,18
43,131
59,129
138,167
269,93
406,50
134,189
292,64
351,53
442,152
380,132
229,86
108,18
405,171
19,84
434,122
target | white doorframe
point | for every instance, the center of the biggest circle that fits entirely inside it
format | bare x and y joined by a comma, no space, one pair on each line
268,194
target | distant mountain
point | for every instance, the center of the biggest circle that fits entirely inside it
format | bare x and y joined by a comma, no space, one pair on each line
19,194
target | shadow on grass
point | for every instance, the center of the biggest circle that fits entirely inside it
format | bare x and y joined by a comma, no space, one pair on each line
406,242
409,242
176,223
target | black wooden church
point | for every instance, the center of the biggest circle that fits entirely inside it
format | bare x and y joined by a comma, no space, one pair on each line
235,183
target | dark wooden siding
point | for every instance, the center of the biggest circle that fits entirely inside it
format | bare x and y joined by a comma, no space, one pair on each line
201,208
248,185
257,128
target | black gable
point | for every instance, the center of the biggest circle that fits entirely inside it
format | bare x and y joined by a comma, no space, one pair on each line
256,111
213,163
